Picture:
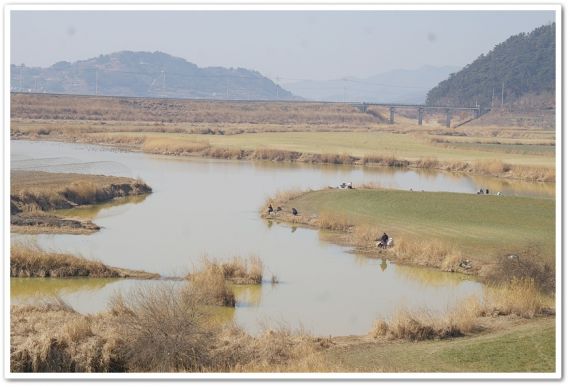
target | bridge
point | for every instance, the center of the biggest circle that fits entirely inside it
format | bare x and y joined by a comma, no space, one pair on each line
477,111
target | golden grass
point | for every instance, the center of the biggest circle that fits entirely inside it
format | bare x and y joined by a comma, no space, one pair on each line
334,222
423,325
521,297
431,253
28,260
169,147
210,286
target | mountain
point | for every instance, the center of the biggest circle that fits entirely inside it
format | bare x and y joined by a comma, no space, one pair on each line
524,64
146,74
396,86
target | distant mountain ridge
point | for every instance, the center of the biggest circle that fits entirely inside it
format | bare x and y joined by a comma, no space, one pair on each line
521,66
395,86
146,74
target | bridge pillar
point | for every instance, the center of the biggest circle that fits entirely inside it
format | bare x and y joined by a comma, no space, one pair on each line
420,115
448,118
392,111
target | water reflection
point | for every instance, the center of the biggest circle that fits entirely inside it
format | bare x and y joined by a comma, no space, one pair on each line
383,264
118,206
247,295
430,277
24,289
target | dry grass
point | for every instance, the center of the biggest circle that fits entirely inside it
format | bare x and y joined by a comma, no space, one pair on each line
242,271
425,326
427,253
27,260
210,281
334,222
44,191
170,147
54,338
210,286
163,329
30,261
521,297
152,329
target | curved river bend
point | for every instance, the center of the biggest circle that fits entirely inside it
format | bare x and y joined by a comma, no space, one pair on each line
210,207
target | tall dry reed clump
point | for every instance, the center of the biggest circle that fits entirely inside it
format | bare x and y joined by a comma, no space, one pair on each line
30,261
242,271
425,326
170,146
334,222
521,297
427,253
163,329
209,285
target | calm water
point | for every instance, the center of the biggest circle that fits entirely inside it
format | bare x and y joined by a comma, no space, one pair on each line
210,207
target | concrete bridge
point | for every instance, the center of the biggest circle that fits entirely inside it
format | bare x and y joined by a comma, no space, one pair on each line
477,111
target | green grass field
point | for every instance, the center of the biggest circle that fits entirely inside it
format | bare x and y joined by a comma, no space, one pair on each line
526,348
401,146
479,225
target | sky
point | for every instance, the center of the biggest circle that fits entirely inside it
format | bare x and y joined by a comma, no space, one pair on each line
287,46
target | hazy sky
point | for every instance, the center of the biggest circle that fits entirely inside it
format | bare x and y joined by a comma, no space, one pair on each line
305,45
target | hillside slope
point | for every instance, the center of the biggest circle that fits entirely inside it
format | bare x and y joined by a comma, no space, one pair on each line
146,74
524,65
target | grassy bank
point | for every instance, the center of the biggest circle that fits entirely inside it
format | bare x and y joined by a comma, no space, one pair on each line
30,261
527,346
433,228
34,195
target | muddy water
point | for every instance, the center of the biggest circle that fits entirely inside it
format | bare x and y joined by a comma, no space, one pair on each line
210,207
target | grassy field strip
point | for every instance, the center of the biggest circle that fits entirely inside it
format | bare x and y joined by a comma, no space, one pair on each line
478,225
529,347
358,144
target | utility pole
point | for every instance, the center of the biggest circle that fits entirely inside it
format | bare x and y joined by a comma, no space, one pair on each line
21,78
502,94
227,89
493,98
96,82
163,81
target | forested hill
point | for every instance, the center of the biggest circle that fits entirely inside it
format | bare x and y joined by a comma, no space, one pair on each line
524,64
146,74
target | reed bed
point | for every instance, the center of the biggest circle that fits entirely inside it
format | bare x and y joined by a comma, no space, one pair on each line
30,261
423,325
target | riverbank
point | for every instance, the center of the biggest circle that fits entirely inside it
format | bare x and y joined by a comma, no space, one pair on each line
30,261
35,195
238,147
473,234
55,338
